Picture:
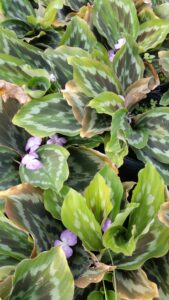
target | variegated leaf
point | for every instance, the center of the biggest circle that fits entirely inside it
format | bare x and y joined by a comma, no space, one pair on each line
44,277
154,243
6,287
149,195
127,63
114,18
106,103
97,196
158,149
135,285
152,33
162,168
54,115
92,124
24,207
158,270
162,10
18,9
75,4
14,243
76,99
164,61
116,187
58,58
9,175
78,218
163,214
20,28
137,138
53,172
94,77
164,101
78,34
93,142
116,147
28,54
80,262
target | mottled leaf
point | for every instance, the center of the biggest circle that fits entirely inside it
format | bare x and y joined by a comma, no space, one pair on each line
114,18
74,4
78,218
152,33
164,61
106,103
127,63
45,277
18,9
25,208
54,115
94,77
97,196
78,34
53,172
135,285
164,101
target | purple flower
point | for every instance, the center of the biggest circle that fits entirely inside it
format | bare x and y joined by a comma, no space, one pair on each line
56,140
31,162
111,55
67,239
33,144
120,43
106,224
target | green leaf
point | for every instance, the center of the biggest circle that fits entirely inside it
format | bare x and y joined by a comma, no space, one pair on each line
106,103
24,207
162,11
127,63
84,163
6,287
54,171
95,295
116,147
97,196
9,175
137,138
163,213
117,238
93,77
150,196
164,62
54,115
50,12
114,18
18,9
19,27
78,34
152,34
75,5
80,262
158,270
135,285
58,58
14,242
46,276
78,218
116,187
164,101
29,54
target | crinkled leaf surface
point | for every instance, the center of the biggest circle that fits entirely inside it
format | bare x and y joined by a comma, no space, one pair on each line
114,18
54,170
46,116
25,208
45,277
78,218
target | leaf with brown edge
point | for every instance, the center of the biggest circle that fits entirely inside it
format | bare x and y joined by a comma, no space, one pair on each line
25,208
135,285
93,275
139,89
76,99
163,214
9,90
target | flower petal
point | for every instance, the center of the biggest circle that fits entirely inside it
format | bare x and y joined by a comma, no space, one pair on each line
33,143
67,250
68,237
106,224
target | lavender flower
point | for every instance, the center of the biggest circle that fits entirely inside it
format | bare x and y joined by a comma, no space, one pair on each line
56,140
33,144
120,43
67,239
111,55
31,162
106,224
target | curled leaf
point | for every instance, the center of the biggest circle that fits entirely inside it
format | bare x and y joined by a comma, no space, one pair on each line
9,90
